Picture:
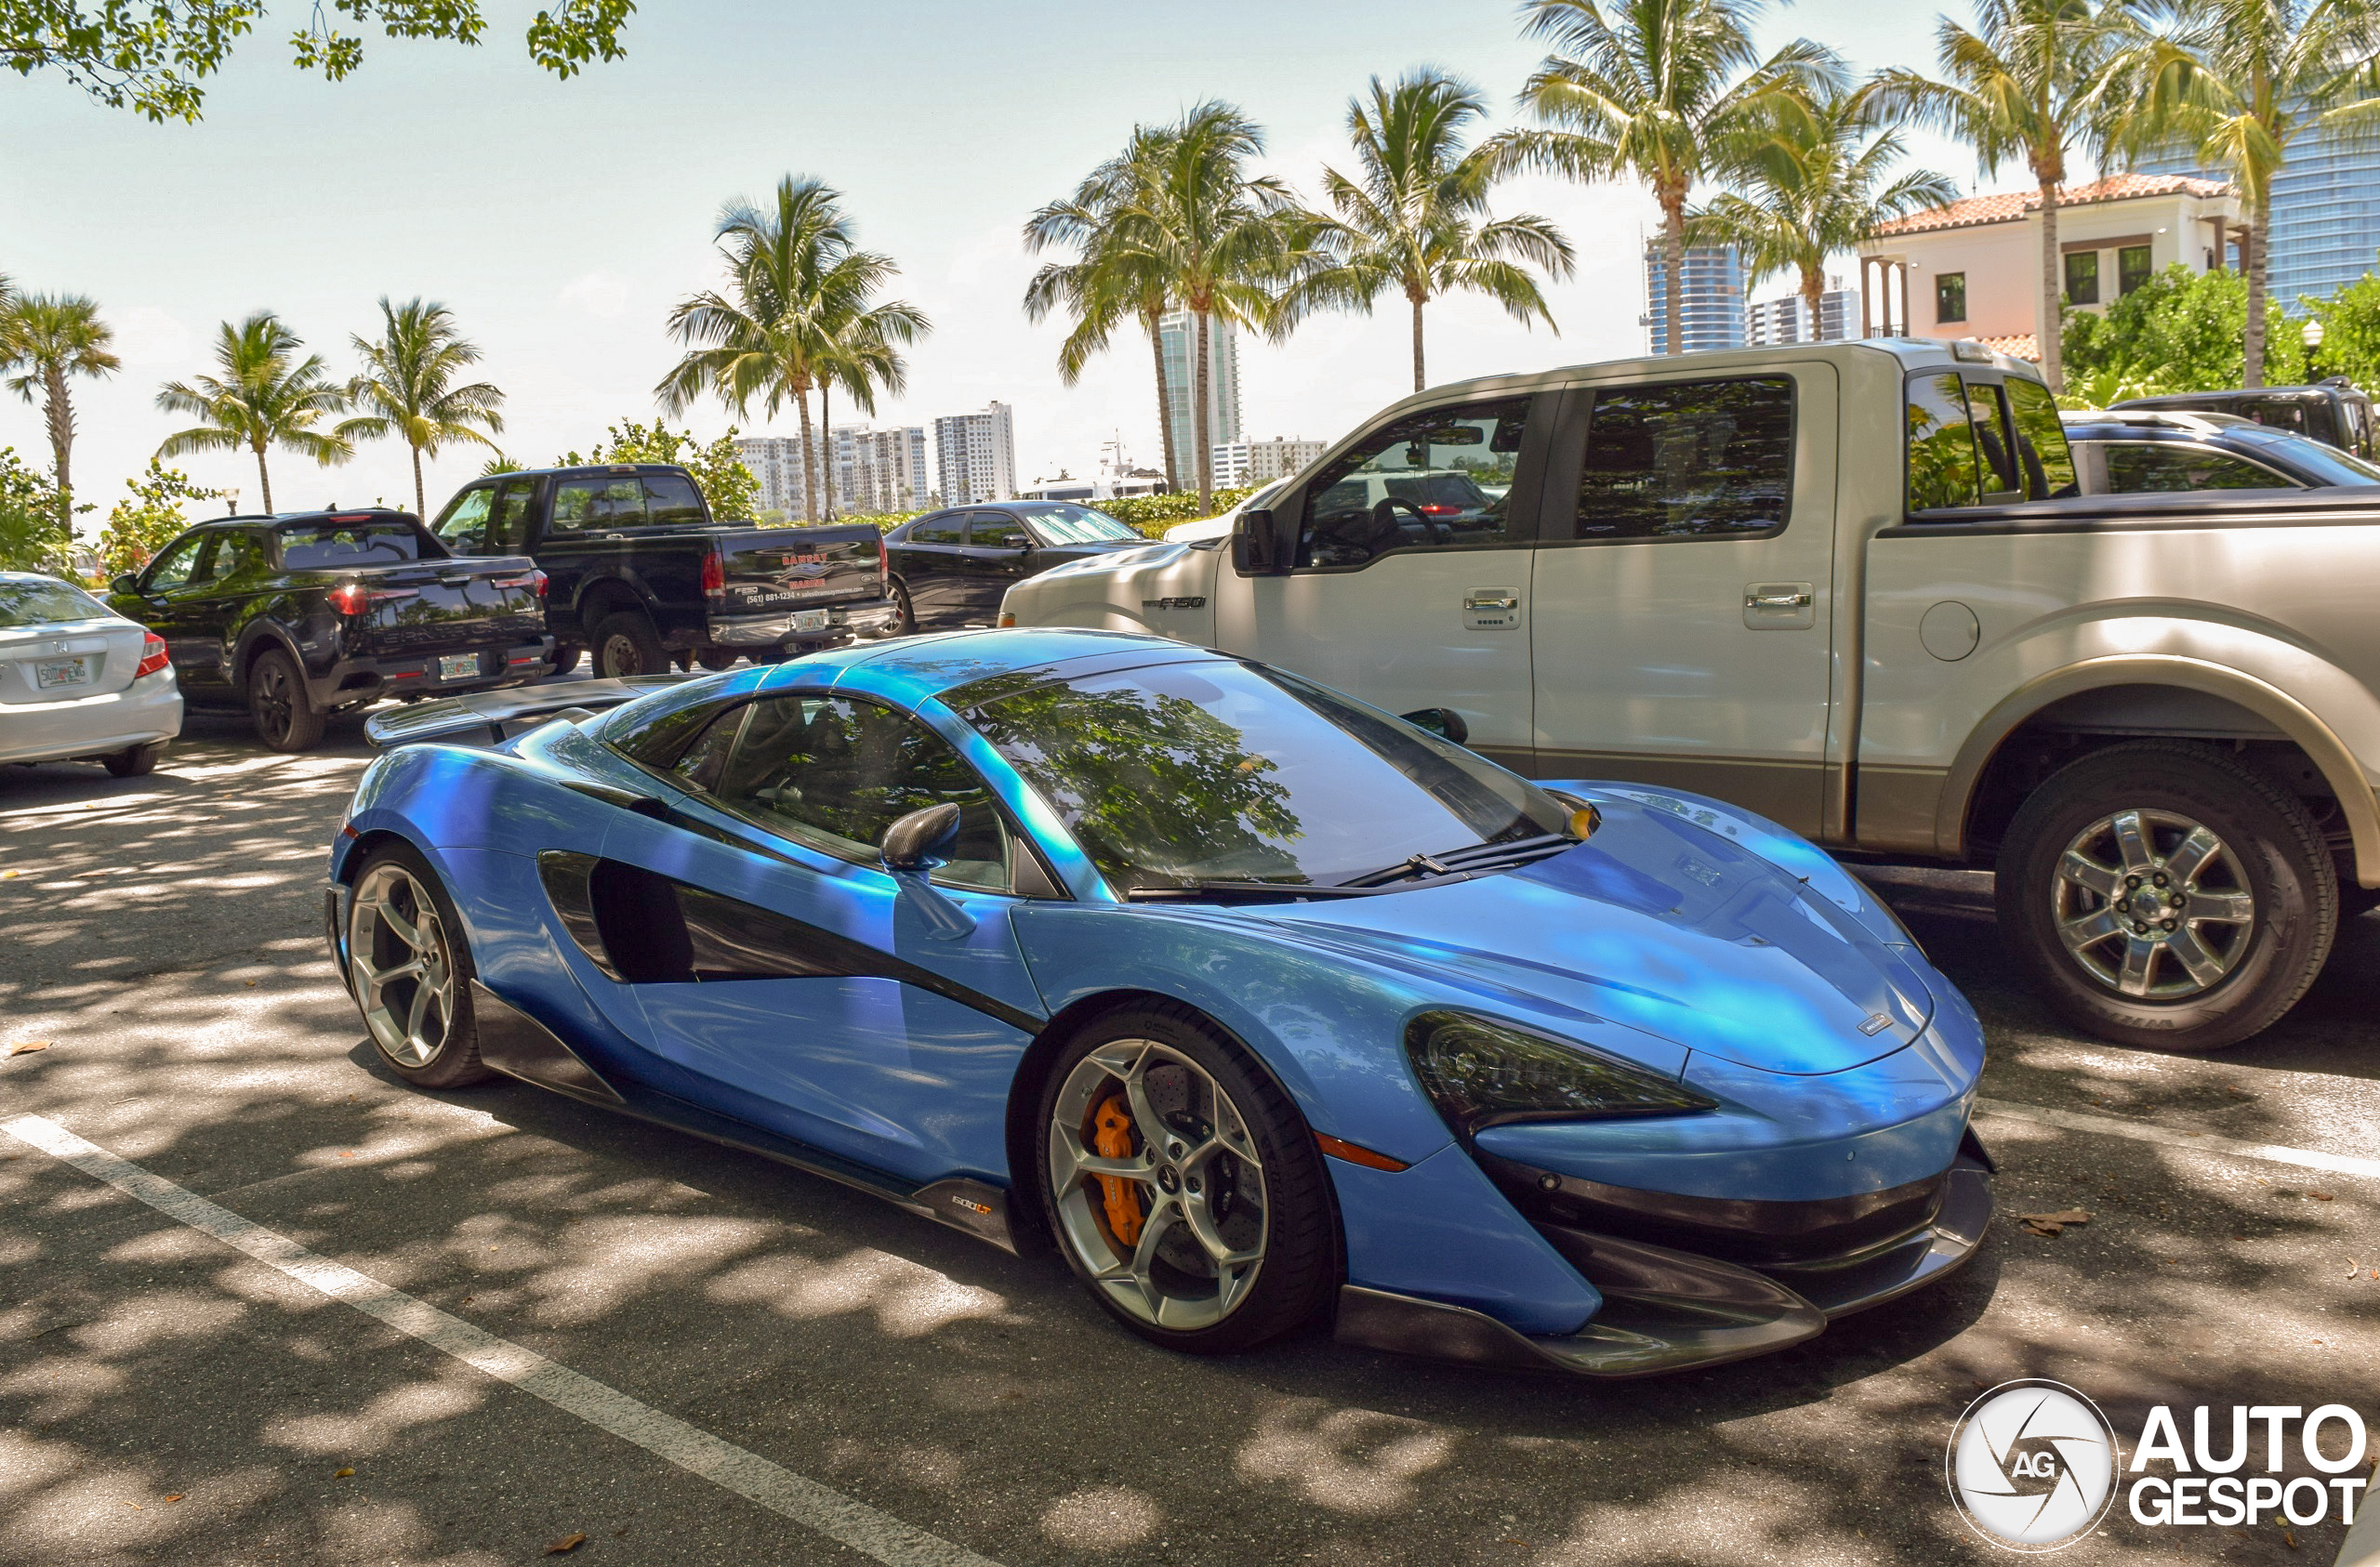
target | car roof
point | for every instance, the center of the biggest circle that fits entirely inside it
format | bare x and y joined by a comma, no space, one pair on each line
582,467
294,518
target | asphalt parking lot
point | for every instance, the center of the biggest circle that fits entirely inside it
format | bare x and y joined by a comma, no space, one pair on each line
166,1397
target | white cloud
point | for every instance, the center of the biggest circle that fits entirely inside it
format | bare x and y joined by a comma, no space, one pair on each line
148,336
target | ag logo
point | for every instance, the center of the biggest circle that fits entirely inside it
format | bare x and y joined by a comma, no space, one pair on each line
2032,1465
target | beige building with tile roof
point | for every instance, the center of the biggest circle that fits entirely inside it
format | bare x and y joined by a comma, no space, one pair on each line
1973,268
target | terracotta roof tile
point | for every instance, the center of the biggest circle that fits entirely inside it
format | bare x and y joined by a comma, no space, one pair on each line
2016,345
2007,206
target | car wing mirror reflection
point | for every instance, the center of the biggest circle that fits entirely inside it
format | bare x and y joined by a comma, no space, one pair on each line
1443,721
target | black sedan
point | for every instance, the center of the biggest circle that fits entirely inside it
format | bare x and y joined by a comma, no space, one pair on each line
2130,452
949,568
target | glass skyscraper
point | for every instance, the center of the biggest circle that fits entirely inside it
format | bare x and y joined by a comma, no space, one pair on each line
1711,309
2325,214
1177,336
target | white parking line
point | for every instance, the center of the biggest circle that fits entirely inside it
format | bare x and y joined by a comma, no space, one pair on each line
2203,1142
828,1511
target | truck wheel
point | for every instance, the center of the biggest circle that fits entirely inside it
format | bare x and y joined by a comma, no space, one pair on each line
626,645
565,658
2163,894
717,659
285,715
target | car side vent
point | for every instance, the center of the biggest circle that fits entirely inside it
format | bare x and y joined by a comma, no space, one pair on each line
641,928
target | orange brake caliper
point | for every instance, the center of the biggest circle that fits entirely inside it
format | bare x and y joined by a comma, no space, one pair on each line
1112,1137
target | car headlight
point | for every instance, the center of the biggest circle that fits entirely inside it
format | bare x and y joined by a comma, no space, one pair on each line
1482,1074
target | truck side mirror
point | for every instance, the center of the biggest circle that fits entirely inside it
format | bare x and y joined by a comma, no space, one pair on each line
1256,545
125,582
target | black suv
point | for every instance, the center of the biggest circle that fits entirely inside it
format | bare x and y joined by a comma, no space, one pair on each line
2334,411
2130,452
294,615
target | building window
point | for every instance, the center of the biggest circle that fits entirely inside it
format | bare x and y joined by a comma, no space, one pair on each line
1950,296
2081,277
2132,267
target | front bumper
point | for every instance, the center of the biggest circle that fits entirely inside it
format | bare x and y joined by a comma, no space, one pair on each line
1668,1310
148,709
354,681
872,618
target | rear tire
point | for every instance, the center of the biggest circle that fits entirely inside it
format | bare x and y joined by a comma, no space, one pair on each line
2167,896
907,624
409,968
1230,1250
285,715
626,644
134,761
565,658
717,659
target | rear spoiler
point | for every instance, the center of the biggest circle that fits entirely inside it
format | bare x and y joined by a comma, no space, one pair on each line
491,717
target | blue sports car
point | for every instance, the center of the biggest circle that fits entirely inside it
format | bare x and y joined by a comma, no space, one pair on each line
1261,1006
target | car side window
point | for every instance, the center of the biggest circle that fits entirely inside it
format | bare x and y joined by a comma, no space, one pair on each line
2042,451
172,570
239,557
1688,459
2166,466
1428,481
598,505
832,773
1943,469
463,525
1994,441
507,529
997,530
938,530
671,501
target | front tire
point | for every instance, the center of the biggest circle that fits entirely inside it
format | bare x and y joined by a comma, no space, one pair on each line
907,624
1184,1187
410,971
284,713
2165,895
134,761
626,644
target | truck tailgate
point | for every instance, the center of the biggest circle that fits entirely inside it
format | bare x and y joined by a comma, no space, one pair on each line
427,606
781,567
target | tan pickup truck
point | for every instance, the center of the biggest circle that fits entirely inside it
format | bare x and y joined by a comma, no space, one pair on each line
1850,586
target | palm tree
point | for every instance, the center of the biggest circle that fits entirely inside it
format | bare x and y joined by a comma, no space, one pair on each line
1114,276
1665,91
266,397
795,280
2029,81
863,356
1224,239
48,338
1416,216
408,387
2238,81
1816,187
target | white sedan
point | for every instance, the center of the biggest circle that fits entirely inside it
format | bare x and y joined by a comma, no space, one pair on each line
79,681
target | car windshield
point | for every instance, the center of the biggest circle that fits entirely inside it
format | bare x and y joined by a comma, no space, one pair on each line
329,546
1073,524
42,601
2319,461
1178,773
1439,493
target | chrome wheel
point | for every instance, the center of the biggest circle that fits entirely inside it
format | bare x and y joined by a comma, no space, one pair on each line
401,965
1159,1188
2152,904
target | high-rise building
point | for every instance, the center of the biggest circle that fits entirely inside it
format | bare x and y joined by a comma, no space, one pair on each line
1261,461
1710,305
777,461
975,455
1178,337
1786,320
880,470
2325,214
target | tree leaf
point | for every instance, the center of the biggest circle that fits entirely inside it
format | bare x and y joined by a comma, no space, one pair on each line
564,1545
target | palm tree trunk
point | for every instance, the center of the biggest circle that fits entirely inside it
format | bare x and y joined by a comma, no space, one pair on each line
826,471
59,410
1814,300
1164,405
1199,434
1673,258
2053,319
264,479
2254,341
420,507
809,459
1418,382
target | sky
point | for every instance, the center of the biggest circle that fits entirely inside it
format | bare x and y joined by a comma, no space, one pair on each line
559,220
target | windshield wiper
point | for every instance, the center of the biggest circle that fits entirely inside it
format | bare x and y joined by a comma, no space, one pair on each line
1461,862
1188,891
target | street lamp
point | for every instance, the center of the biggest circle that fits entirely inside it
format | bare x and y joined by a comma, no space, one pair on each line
2311,334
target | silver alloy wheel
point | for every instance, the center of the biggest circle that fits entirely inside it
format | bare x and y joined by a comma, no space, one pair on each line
400,965
2152,904
1193,1173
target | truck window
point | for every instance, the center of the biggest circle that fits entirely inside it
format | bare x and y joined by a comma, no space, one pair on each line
2141,466
507,532
2041,441
604,503
1421,482
1688,459
329,546
1994,440
464,526
1941,443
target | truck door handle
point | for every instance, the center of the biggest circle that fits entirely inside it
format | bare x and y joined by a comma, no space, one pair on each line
1492,600
1777,599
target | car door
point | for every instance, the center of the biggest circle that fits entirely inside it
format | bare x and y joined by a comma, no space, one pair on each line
463,526
1683,612
1400,606
879,1018
176,599
927,560
999,545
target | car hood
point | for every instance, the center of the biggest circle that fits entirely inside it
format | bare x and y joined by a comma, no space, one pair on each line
1658,924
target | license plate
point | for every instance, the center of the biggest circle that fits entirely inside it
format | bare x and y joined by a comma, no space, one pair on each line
810,620
458,666
53,672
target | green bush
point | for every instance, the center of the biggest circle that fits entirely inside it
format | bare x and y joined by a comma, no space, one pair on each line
145,520
32,536
2181,330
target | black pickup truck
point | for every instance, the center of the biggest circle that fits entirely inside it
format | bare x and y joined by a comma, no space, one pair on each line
641,573
295,616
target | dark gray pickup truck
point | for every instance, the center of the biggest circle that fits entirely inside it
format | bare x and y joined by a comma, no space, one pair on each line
639,571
